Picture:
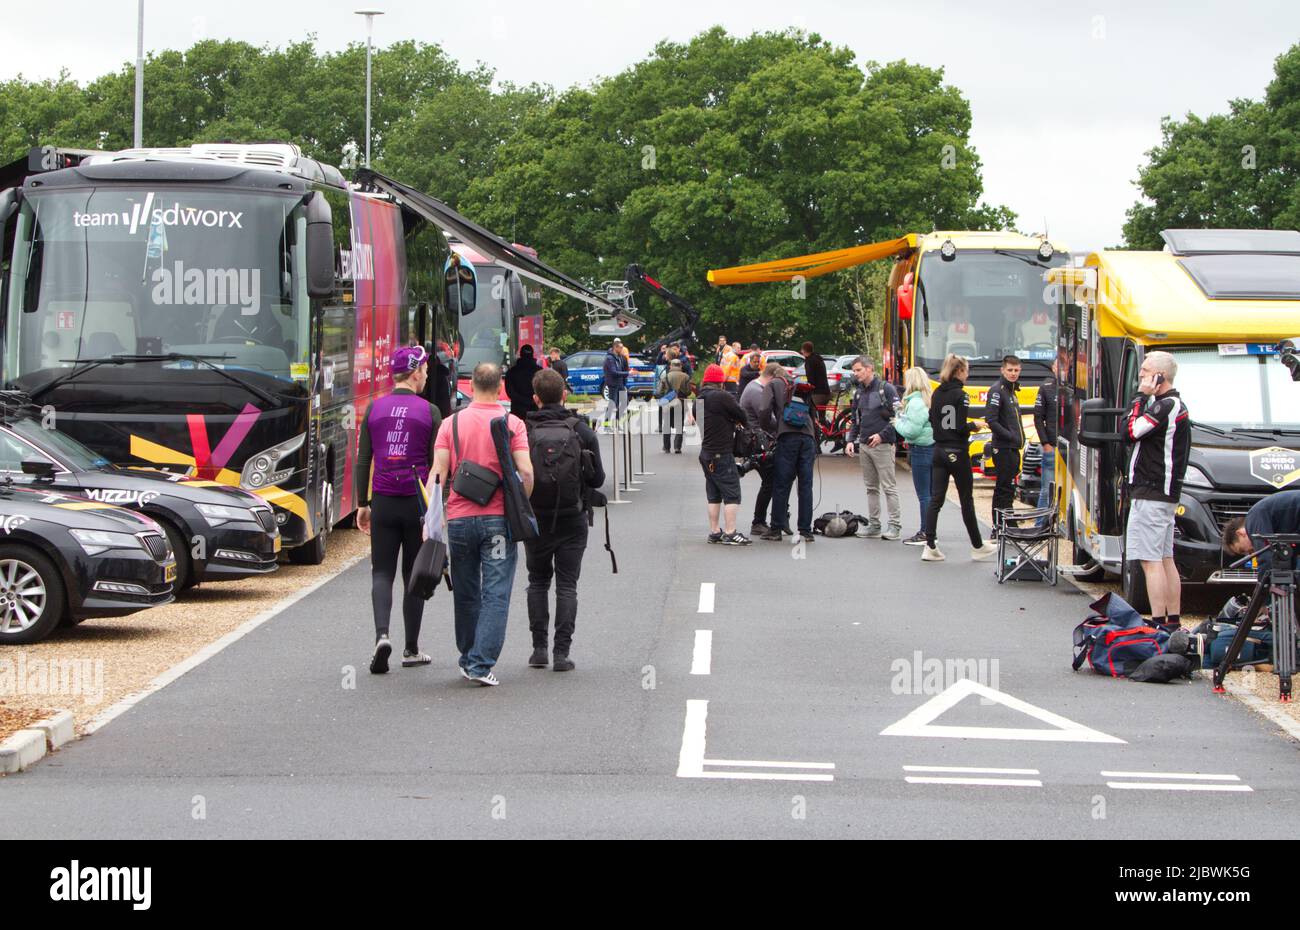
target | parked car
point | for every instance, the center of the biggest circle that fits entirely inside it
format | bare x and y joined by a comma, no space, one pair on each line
217,532
789,360
64,559
839,372
587,373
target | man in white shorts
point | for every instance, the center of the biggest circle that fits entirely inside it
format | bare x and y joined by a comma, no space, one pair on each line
1160,429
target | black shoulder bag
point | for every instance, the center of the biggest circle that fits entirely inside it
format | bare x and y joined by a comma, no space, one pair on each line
471,481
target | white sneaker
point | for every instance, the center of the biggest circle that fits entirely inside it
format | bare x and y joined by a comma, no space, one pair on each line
488,681
984,552
931,554
464,673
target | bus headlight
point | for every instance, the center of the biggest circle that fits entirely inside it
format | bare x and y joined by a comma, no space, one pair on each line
263,469
948,251
1195,478
1045,250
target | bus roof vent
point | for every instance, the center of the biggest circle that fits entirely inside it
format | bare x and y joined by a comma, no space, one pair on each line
272,156
1220,241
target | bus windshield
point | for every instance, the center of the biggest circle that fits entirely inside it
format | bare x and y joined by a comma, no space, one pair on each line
1237,391
116,271
984,305
485,327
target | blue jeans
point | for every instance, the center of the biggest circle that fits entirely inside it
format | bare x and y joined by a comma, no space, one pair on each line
794,456
1048,476
482,574
921,458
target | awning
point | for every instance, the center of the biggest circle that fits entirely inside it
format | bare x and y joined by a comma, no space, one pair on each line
485,242
810,266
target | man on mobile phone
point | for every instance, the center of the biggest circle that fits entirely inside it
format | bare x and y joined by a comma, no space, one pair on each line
1160,429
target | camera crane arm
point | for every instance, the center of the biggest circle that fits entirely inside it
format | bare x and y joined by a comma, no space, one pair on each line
690,316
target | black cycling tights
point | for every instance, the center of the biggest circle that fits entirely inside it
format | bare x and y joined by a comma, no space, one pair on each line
394,528
954,463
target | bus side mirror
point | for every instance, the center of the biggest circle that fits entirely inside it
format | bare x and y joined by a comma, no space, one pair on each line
40,469
906,297
8,206
462,289
1099,425
320,247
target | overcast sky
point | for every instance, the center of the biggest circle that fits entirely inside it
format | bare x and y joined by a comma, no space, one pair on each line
1066,96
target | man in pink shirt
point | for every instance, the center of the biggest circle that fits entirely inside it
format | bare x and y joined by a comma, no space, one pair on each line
480,550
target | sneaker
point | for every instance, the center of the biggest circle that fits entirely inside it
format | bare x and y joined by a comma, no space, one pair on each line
758,528
918,539
871,532
562,663
538,658
984,552
773,535
411,659
807,537
736,539
894,532
488,681
715,537
379,659
931,554
464,673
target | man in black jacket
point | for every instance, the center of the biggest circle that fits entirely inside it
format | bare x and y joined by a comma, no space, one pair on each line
1002,413
814,369
720,415
796,451
872,439
558,551
557,364
519,383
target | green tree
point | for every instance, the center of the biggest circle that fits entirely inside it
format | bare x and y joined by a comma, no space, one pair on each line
1240,169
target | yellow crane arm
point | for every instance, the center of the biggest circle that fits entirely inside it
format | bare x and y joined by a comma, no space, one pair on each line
810,266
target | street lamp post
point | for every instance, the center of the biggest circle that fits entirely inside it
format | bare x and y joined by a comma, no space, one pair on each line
139,77
370,23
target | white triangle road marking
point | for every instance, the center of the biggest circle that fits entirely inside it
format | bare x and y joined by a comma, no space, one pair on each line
920,721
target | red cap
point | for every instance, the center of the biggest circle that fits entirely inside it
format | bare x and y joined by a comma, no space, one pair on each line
714,375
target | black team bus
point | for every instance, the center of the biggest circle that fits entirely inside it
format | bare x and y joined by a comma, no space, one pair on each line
227,311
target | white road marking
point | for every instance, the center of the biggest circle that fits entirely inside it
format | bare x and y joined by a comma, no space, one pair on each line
702,660
919,721
1191,775
207,652
988,782
691,761
1173,786
968,769
706,597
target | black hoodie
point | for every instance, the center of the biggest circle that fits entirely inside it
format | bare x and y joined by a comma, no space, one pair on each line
949,410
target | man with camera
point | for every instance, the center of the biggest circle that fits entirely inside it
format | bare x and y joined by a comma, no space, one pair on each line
757,402
1160,429
1275,515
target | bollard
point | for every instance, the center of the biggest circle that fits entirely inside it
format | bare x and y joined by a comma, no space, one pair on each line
645,420
627,451
613,455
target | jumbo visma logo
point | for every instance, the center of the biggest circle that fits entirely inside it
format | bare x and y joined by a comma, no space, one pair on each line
1275,466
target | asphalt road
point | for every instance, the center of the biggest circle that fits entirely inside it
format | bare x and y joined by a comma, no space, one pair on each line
811,658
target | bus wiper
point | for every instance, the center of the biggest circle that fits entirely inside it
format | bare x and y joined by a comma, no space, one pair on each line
86,365
1266,431
1211,429
206,360
1023,258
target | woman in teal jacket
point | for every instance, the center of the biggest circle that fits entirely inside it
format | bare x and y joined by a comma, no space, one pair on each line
913,424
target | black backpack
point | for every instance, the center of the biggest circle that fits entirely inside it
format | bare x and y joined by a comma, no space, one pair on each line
558,485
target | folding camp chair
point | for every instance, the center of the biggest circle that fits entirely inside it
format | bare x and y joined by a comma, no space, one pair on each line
1027,544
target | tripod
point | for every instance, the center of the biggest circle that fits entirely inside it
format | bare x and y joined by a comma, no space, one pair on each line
1278,584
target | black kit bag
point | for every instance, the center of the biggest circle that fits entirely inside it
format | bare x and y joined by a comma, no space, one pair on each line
430,565
519,512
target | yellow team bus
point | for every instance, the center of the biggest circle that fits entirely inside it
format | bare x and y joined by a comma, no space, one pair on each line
1226,304
980,295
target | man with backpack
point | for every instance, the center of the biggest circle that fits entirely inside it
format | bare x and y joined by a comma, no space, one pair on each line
674,414
872,436
756,401
566,470
796,449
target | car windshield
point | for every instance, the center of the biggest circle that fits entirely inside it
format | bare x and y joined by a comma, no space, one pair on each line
1237,391
116,271
58,444
984,305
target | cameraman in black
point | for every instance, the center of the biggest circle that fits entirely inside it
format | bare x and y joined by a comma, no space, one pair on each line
1275,515
757,402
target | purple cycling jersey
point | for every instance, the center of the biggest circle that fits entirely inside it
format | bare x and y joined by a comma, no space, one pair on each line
401,432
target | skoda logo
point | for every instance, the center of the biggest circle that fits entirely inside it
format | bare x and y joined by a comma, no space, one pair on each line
12,522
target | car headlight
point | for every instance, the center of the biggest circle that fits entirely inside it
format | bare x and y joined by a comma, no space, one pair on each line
263,469
1195,478
96,541
217,514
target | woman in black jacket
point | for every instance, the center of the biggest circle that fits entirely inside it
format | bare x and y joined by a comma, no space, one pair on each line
949,409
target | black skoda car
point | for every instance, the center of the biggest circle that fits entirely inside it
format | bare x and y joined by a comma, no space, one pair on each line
65,559
217,532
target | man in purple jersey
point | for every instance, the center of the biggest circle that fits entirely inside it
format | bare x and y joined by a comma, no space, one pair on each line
397,436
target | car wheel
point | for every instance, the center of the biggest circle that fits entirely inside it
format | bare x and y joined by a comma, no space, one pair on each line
32,599
1135,586
184,562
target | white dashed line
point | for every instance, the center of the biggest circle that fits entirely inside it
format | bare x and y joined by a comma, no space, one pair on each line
706,597
702,660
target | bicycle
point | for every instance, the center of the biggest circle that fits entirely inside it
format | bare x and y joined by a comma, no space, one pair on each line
833,425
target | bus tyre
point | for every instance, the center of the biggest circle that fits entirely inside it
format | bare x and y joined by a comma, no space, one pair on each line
313,551
184,564
1135,586
32,600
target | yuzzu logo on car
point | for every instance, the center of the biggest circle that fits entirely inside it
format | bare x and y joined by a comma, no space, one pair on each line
120,496
12,522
